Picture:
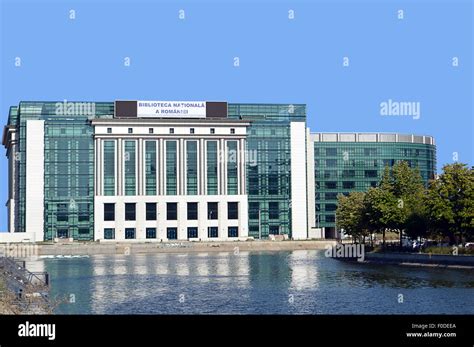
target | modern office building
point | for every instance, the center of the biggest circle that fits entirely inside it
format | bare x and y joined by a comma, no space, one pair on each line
186,170
339,163
155,170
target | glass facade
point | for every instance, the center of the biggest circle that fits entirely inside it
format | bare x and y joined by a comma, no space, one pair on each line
171,168
232,162
68,166
130,168
342,167
150,167
268,163
191,168
212,181
109,167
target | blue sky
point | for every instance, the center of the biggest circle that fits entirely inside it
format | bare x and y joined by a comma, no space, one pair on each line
281,60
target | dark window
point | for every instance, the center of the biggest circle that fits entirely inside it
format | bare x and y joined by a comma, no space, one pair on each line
62,215
191,131
129,233
192,233
370,173
172,211
254,208
233,232
212,212
83,231
171,233
130,211
192,210
331,207
83,212
330,185
151,233
130,130
348,185
150,131
213,131
171,130
331,162
109,130
331,151
212,232
109,233
233,210
273,210
151,211
331,196
232,130
274,230
330,218
109,212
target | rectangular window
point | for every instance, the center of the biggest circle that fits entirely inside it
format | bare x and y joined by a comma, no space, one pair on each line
172,211
109,167
191,168
83,231
254,208
63,213
191,130
130,211
151,211
171,168
109,212
192,233
171,233
129,233
370,173
330,185
150,131
151,233
232,210
348,185
211,167
330,196
331,207
83,212
192,210
150,167
109,130
331,162
232,130
232,160
233,232
212,232
212,212
213,131
171,130
130,168
130,130
331,152
273,210
109,233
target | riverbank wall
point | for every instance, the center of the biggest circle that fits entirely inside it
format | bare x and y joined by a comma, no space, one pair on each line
94,248
421,259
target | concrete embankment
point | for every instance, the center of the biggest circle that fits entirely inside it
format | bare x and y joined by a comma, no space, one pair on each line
421,259
93,248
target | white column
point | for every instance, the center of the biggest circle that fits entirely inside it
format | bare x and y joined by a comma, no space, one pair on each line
298,180
119,166
34,211
311,213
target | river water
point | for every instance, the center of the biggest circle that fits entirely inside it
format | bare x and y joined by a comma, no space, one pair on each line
296,282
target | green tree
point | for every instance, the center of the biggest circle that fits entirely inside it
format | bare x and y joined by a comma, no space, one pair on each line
350,213
450,203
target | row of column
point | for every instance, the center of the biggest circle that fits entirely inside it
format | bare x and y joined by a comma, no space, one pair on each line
160,165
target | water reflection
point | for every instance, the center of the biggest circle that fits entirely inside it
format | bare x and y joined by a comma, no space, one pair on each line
252,282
